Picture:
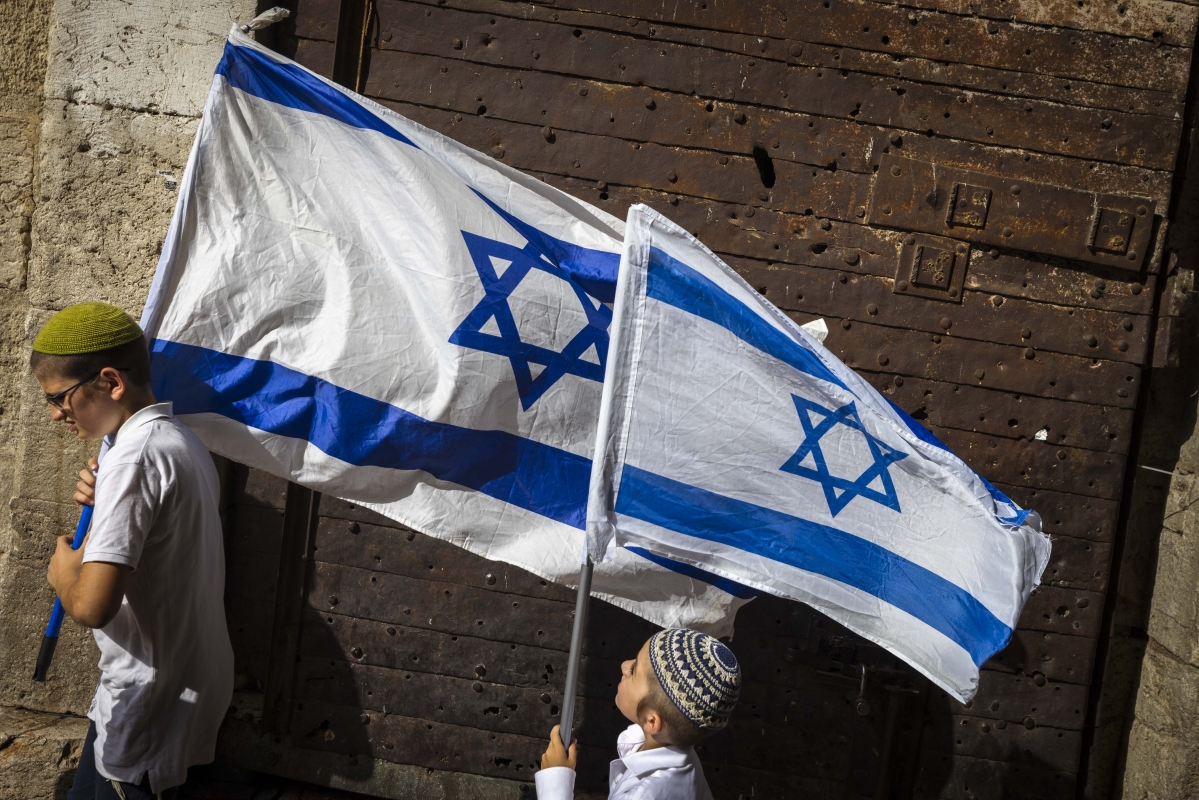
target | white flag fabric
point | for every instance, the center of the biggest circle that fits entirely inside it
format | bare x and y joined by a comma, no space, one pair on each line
359,304
732,440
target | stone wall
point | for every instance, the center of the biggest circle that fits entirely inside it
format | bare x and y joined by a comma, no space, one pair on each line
99,102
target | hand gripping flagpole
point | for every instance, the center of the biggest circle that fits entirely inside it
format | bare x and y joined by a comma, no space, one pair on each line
50,640
576,653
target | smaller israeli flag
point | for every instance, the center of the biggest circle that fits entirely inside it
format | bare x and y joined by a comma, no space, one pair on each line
732,440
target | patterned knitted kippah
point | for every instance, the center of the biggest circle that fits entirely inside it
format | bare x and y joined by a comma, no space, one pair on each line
86,328
698,673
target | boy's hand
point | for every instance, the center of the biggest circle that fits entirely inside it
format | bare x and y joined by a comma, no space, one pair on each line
65,565
556,756
85,490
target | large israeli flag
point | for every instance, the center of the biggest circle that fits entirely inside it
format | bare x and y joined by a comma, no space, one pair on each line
366,307
732,440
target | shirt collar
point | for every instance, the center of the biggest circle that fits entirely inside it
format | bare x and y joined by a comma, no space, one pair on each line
147,414
642,763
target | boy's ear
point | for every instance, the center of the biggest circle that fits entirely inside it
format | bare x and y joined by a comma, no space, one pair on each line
652,722
117,385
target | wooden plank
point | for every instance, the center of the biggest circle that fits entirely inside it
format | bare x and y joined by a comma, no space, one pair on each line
1018,700
1031,463
748,82
1061,659
870,60
1014,416
952,360
942,775
295,559
1081,517
1074,612
1033,325
812,240
981,737
1163,21
968,40
446,607
397,551
686,120
903,32
840,194
1079,564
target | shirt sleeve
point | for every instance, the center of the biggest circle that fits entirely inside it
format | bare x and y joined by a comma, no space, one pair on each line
127,504
555,783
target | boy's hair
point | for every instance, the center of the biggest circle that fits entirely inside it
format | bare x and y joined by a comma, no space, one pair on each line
131,358
683,732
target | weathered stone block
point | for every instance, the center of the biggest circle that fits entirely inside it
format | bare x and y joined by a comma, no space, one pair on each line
38,753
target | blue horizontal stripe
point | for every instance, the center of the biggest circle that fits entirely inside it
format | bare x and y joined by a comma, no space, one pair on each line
290,85
369,433
671,281
691,571
818,549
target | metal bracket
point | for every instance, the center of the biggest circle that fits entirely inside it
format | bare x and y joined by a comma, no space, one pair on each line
932,266
1022,215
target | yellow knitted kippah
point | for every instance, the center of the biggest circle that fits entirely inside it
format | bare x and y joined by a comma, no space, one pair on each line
86,328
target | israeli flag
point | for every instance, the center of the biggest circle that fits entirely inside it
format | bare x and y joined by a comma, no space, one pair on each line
361,305
732,440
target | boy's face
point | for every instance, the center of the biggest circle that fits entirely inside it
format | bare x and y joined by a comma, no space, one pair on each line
91,411
634,683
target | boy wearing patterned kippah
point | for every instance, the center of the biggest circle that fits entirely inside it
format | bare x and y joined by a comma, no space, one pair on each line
150,575
680,688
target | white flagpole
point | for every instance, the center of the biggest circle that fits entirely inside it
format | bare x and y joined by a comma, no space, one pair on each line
576,652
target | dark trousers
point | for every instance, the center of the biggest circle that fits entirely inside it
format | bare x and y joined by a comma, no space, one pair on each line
91,785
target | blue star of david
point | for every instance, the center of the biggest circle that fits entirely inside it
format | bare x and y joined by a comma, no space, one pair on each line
541,252
840,491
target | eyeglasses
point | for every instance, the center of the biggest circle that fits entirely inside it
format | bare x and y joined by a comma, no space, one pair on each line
57,400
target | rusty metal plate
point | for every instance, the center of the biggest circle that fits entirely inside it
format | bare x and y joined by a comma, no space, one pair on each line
434,605
1078,564
1089,518
958,75
1035,327
476,701
686,120
371,734
1015,743
1031,463
1013,416
945,37
1061,659
1023,699
1035,217
932,267
802,240
953,776
330,636
735,178
710,73
1006,368
399,551
1075,612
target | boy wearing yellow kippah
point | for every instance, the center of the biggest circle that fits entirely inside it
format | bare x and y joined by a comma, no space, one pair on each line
150,575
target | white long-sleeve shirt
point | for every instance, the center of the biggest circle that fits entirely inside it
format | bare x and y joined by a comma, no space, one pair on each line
664,773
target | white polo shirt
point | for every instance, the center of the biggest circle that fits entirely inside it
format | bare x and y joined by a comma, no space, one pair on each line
664,773
166,665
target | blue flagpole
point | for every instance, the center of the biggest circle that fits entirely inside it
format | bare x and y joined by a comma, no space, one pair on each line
50,640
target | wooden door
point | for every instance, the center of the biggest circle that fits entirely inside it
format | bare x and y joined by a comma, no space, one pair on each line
974,195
